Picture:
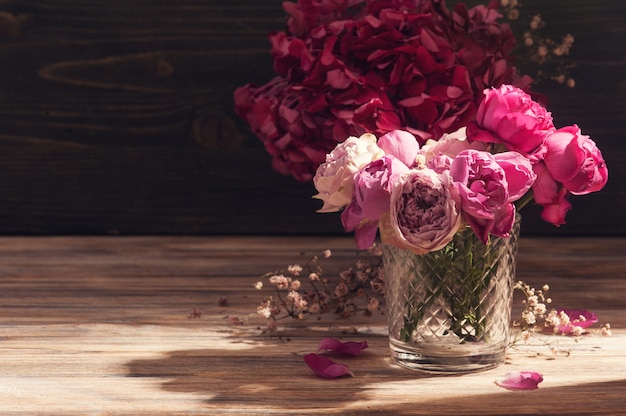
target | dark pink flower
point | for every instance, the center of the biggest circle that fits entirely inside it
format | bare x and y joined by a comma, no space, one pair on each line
348,348
372,191
520,380
325,367
509,116
574,160
577,318
551,195
488,185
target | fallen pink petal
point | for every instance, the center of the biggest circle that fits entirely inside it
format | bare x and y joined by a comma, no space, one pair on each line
577,317
520,380
348,348
325,367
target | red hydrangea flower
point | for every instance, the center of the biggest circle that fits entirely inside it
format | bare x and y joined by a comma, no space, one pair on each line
346,67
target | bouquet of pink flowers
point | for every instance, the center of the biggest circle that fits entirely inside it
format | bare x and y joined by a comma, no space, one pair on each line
349,67
421,196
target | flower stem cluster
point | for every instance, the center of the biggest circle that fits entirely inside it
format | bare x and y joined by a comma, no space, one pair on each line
298,291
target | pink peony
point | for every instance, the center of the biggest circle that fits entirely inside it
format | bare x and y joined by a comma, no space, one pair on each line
425,213
509,116
400,144
334,179
372,191
488,185
438,154
575,161
551,195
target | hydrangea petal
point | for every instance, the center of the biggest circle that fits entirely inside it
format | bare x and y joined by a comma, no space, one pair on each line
520,380
348,348
325,367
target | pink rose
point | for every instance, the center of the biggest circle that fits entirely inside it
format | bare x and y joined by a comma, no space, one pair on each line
372,190
509,116
425,213
488,184
334,179
574,160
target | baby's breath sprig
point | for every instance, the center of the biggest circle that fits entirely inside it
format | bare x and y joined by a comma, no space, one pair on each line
540,56
297,293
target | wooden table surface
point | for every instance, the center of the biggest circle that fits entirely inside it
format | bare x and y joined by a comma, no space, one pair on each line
102,326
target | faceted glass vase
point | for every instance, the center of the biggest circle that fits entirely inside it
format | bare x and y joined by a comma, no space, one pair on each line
450,310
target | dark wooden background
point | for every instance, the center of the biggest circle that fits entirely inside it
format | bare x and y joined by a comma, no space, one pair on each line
116,117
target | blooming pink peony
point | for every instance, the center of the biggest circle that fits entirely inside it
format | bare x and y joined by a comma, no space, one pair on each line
574,160
509,116
488,185
425,213
334,179
551,195
372,191
400,144
438,154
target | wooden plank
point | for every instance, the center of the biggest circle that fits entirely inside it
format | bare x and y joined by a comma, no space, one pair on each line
101,325
116,117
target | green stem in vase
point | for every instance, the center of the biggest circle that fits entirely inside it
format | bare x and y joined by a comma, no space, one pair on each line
451,282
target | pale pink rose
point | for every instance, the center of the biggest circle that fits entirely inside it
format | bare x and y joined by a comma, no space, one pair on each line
372,190
574,160
334,179
488,188
509,116
438,154
400,144
425,213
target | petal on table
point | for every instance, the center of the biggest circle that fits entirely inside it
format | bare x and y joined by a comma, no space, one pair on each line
348,348
325,367
520,380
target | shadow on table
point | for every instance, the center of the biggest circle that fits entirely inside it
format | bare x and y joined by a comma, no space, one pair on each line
268,382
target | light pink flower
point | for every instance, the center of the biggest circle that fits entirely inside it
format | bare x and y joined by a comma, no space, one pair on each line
574,160
372,190
348,348
520,380
400,144
425,213
334,179
509,116
438,154
487,185
325,367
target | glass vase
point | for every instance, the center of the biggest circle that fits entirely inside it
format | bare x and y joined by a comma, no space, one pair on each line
450,310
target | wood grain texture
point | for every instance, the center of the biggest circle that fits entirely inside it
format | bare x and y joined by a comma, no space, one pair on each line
116,117
100,325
